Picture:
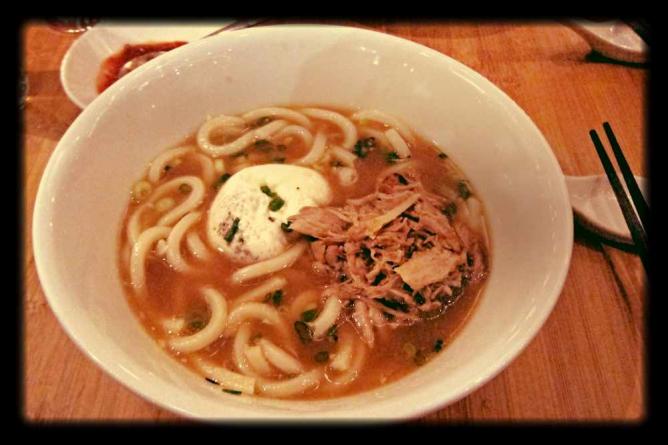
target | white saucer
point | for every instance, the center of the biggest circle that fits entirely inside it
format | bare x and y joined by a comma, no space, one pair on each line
81,64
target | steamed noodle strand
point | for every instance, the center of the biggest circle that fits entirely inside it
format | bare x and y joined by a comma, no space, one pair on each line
257,361
347,158
239,144
239,347
139,251
271,265
174,239
344,352
386,119
378,135
347,175
225,125
305,300
157,167
316,152
280,358
208,170
214,328
290,387
326,318
258,311
268,130
260,292
295,130
161,247
134,223
159,164
398,143
194,199
346,126
226,378
283,113
197,247
355,369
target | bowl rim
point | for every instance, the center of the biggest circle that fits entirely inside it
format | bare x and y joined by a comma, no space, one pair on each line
50,284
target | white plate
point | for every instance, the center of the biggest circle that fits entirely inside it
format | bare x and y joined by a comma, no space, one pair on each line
85,191
81,64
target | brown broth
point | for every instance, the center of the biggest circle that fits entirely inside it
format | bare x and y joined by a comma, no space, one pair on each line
170,293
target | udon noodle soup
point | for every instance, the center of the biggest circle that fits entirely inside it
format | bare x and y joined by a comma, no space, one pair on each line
303,253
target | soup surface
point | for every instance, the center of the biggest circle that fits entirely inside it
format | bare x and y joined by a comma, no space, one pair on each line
303,253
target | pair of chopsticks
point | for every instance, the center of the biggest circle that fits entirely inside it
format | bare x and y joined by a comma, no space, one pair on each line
239,24
636,226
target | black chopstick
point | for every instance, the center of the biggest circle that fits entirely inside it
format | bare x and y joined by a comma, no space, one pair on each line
637,232
636,195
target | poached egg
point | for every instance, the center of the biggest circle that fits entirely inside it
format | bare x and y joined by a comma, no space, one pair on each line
247,195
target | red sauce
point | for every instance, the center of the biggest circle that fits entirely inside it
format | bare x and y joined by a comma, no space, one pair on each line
112,68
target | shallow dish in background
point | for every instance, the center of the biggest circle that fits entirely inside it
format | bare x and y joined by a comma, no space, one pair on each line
81,64
494,142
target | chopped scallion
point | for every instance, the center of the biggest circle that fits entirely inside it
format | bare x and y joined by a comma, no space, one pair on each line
286,227
276,203
221,180
304,331
463,189
321,356
391,157
332,333
196,325
232,391
450,210
229,236
309,315
277,297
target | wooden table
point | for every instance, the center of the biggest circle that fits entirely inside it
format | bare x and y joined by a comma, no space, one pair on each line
587,362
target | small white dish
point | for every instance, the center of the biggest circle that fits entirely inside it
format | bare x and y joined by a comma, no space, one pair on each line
81,64
615,40
595,204
85,190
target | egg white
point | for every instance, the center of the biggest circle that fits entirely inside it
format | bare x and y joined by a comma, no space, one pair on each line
259,235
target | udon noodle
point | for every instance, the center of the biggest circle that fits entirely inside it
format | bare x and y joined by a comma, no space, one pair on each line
303,252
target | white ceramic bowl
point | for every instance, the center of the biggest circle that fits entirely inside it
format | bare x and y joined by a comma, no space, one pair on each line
84,191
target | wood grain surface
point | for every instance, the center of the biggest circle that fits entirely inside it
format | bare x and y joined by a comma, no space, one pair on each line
586,364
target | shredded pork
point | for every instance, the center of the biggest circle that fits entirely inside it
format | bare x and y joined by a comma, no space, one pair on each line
396,250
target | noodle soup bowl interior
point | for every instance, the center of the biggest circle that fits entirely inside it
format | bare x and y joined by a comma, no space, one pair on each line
85,190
